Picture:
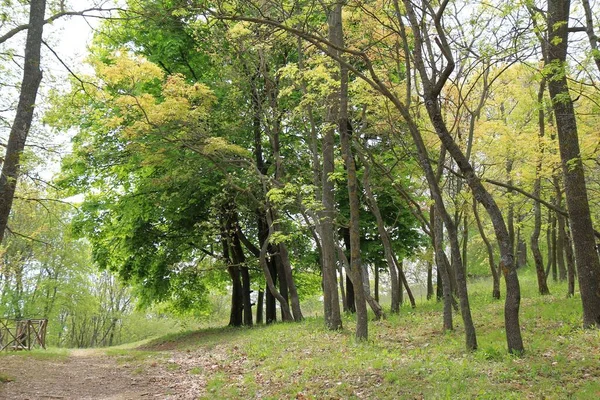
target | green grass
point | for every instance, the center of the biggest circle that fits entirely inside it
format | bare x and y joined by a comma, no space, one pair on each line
407,355
51,353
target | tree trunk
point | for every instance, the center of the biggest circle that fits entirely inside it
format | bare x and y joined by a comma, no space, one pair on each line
589,29
438,232
560,235
537,190
429,280
376,282
465,241
588,264
239,259
270,301
260,306
331,302
287,269
395,285
404,282
32,76
350,302
377,309
570,262
342,291
490,252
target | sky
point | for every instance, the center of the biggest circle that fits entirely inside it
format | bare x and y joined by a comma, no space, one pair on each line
69,37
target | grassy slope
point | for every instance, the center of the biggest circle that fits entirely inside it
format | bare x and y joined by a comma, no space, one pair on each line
407,356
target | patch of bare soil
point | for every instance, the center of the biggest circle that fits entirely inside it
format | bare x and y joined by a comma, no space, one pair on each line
88,375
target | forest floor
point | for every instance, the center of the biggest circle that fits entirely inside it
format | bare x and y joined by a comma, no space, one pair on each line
408,356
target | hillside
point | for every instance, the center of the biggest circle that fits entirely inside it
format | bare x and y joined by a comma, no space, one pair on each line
408,356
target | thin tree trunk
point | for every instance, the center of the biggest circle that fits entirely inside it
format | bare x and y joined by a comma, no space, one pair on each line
376,282
375,306
560,232
537,190
395,285
570,261
260,306
589,29
429,280
331,302
490,252
438,232
362,328
342,291
287,268
32,76
404,282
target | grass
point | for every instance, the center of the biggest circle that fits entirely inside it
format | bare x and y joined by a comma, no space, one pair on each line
52,353
407,355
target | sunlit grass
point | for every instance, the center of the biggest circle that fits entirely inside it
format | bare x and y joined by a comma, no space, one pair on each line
407,355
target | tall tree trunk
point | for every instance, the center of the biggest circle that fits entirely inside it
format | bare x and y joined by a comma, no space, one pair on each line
560,234
356,270
438,233
239,260
549,243
553,250
395,286
588,264
237,299
537,191
490,252
32,76
331,302
465,240
270,300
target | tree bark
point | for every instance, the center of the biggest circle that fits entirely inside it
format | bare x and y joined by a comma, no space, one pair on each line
438,232
395,286
570,262
32,76
404,282
490,252
331,301
429,280
588,264
537,190
260,306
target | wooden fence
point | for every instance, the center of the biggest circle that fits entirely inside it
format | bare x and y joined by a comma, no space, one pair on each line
22,334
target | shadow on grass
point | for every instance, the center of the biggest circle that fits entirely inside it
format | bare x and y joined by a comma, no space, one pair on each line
208,337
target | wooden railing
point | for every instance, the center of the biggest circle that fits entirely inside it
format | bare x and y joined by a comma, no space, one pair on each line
22,334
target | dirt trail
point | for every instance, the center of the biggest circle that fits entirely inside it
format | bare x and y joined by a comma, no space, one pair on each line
83,375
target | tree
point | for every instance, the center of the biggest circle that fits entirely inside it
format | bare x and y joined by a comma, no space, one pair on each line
588,264
32,76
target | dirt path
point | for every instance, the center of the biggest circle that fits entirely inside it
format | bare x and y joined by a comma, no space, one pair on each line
85,375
